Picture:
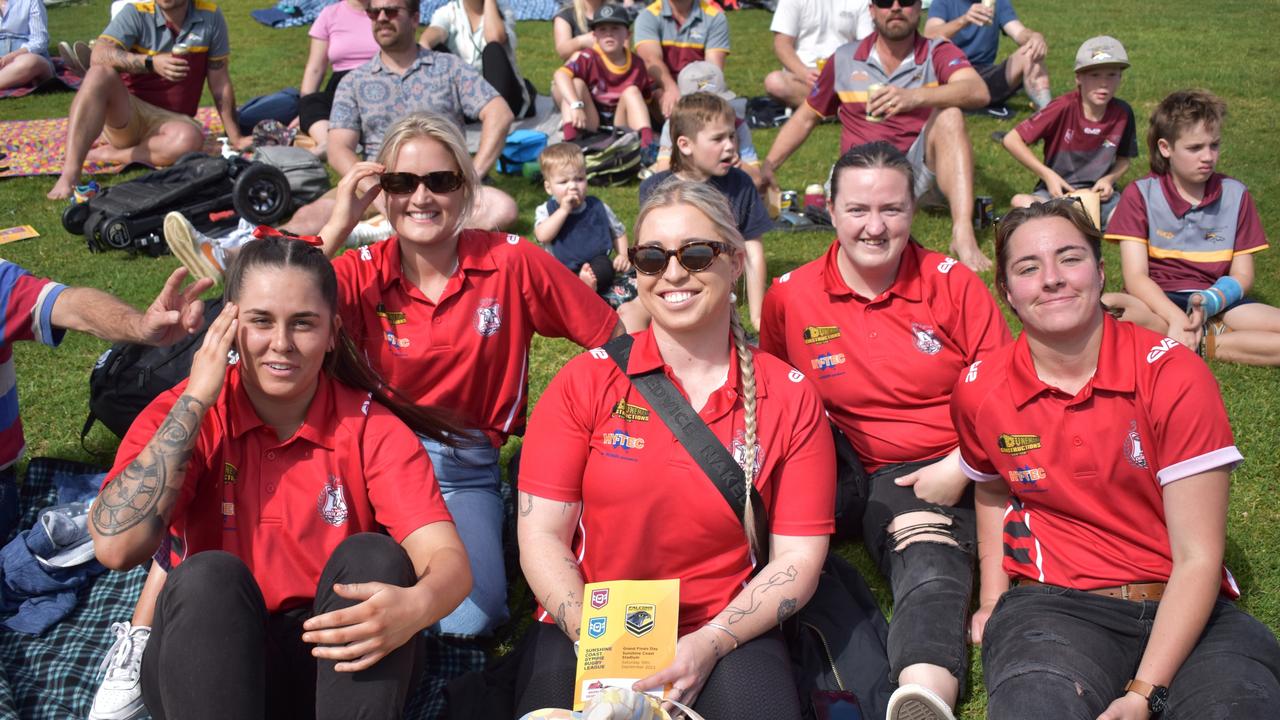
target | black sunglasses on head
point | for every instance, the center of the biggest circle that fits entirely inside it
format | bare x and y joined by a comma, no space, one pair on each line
886,4
404,183
693,256
392,12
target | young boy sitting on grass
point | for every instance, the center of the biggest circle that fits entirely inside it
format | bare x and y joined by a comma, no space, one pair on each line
580,230
606,84
1187,238
1089,134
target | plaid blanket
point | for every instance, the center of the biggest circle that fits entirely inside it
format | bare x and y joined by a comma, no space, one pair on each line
55,675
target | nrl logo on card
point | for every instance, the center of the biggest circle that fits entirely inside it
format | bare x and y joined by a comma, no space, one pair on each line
640,618
599,598
596,627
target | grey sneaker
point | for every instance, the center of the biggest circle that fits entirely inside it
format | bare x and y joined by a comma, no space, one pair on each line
917,702
76,57
120,695
191,247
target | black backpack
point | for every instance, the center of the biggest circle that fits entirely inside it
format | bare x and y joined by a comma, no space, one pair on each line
127,377
613,157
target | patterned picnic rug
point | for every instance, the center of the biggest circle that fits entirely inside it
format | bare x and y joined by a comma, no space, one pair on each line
63,79
36,147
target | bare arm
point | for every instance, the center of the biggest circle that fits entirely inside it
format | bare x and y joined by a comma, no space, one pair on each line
108,53
1134,267
1030,41
495,31
717,57
784,46
495,123
977,14
432,37
342,149
651,53
790,137
545,529
1022,153
1242,270
224,99
174,313
546,231
566,43
317,63
1196,515
990,499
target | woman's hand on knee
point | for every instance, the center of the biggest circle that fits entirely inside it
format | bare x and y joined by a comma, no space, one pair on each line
941,483
696,657
1129,706
978,623
358,637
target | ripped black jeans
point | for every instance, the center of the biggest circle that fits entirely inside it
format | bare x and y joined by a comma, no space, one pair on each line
1053,652
932,582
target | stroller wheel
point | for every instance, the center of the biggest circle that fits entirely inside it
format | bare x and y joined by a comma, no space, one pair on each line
115,233
74,217
262,195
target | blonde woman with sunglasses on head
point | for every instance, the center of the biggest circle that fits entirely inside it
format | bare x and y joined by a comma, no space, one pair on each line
606,491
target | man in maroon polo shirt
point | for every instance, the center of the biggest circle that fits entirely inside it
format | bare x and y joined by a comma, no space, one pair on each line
143,87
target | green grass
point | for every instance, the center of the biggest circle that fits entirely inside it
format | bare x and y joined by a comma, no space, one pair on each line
1172,44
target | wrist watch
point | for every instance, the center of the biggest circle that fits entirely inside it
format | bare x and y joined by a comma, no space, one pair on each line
1157,695
577,105
150,63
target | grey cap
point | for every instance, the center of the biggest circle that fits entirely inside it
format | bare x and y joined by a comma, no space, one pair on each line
609,14
1101,50
702,76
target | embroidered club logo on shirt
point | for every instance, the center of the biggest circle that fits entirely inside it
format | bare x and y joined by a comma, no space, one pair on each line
926,342
1133,447
826,361
818,334
795,376
1159,351
228,496
640,618
488,317
332,504
620,440
1018,444
973,372
945,266
1026,477
739,450
626,411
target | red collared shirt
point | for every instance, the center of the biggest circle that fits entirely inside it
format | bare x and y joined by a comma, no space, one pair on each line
284,506
885,367
468,352
1086,473
648,511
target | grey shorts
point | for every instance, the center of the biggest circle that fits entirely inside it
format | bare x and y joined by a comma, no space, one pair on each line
925,179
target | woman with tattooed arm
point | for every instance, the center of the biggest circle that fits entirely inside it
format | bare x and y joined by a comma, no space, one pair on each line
307,538
607,493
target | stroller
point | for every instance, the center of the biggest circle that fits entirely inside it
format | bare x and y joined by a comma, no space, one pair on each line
130,216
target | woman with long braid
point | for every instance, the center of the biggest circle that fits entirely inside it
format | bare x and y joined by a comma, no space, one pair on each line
606,491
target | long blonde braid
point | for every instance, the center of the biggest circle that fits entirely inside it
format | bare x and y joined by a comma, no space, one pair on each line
747,370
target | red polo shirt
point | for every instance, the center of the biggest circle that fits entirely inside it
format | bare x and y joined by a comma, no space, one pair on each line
648,511
468,352
284,506
885,367
1086,473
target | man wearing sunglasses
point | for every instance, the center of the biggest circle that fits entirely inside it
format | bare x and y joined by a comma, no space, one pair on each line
402,79
907,90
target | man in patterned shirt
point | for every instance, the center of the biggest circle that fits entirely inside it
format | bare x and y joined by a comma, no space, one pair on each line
404,78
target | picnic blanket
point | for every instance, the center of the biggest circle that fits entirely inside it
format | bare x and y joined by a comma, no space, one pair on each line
292,13
54,675
62,79
36,147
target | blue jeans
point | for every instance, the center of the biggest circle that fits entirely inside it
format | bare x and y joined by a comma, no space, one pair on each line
1053,652
468,476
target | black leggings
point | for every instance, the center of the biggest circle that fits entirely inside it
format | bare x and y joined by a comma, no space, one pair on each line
316,106
214,651
504,78
754,681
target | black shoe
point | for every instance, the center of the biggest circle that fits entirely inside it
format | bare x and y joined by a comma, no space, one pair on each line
998,136
999,112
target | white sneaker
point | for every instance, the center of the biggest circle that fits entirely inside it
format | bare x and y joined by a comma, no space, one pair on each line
191,247
917,702
120,695
367,232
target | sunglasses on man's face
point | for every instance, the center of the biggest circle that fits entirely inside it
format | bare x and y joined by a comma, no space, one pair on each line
693,256
886,4
438,182
392,12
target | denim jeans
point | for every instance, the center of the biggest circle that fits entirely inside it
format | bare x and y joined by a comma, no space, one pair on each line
932,582
468,476
1053,652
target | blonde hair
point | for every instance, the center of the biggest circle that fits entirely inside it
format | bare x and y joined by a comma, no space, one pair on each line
580,14
561,156
692,113
715,207
441,129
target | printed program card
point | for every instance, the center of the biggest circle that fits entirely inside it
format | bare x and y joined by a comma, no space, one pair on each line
628,633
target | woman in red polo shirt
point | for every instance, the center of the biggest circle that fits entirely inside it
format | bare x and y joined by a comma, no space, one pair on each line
1102,453
447,316
273,481
606,491
884,327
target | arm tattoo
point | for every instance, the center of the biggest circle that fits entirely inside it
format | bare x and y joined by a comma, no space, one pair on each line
126,61
786,609
146,490
754,601
526,504
217,64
